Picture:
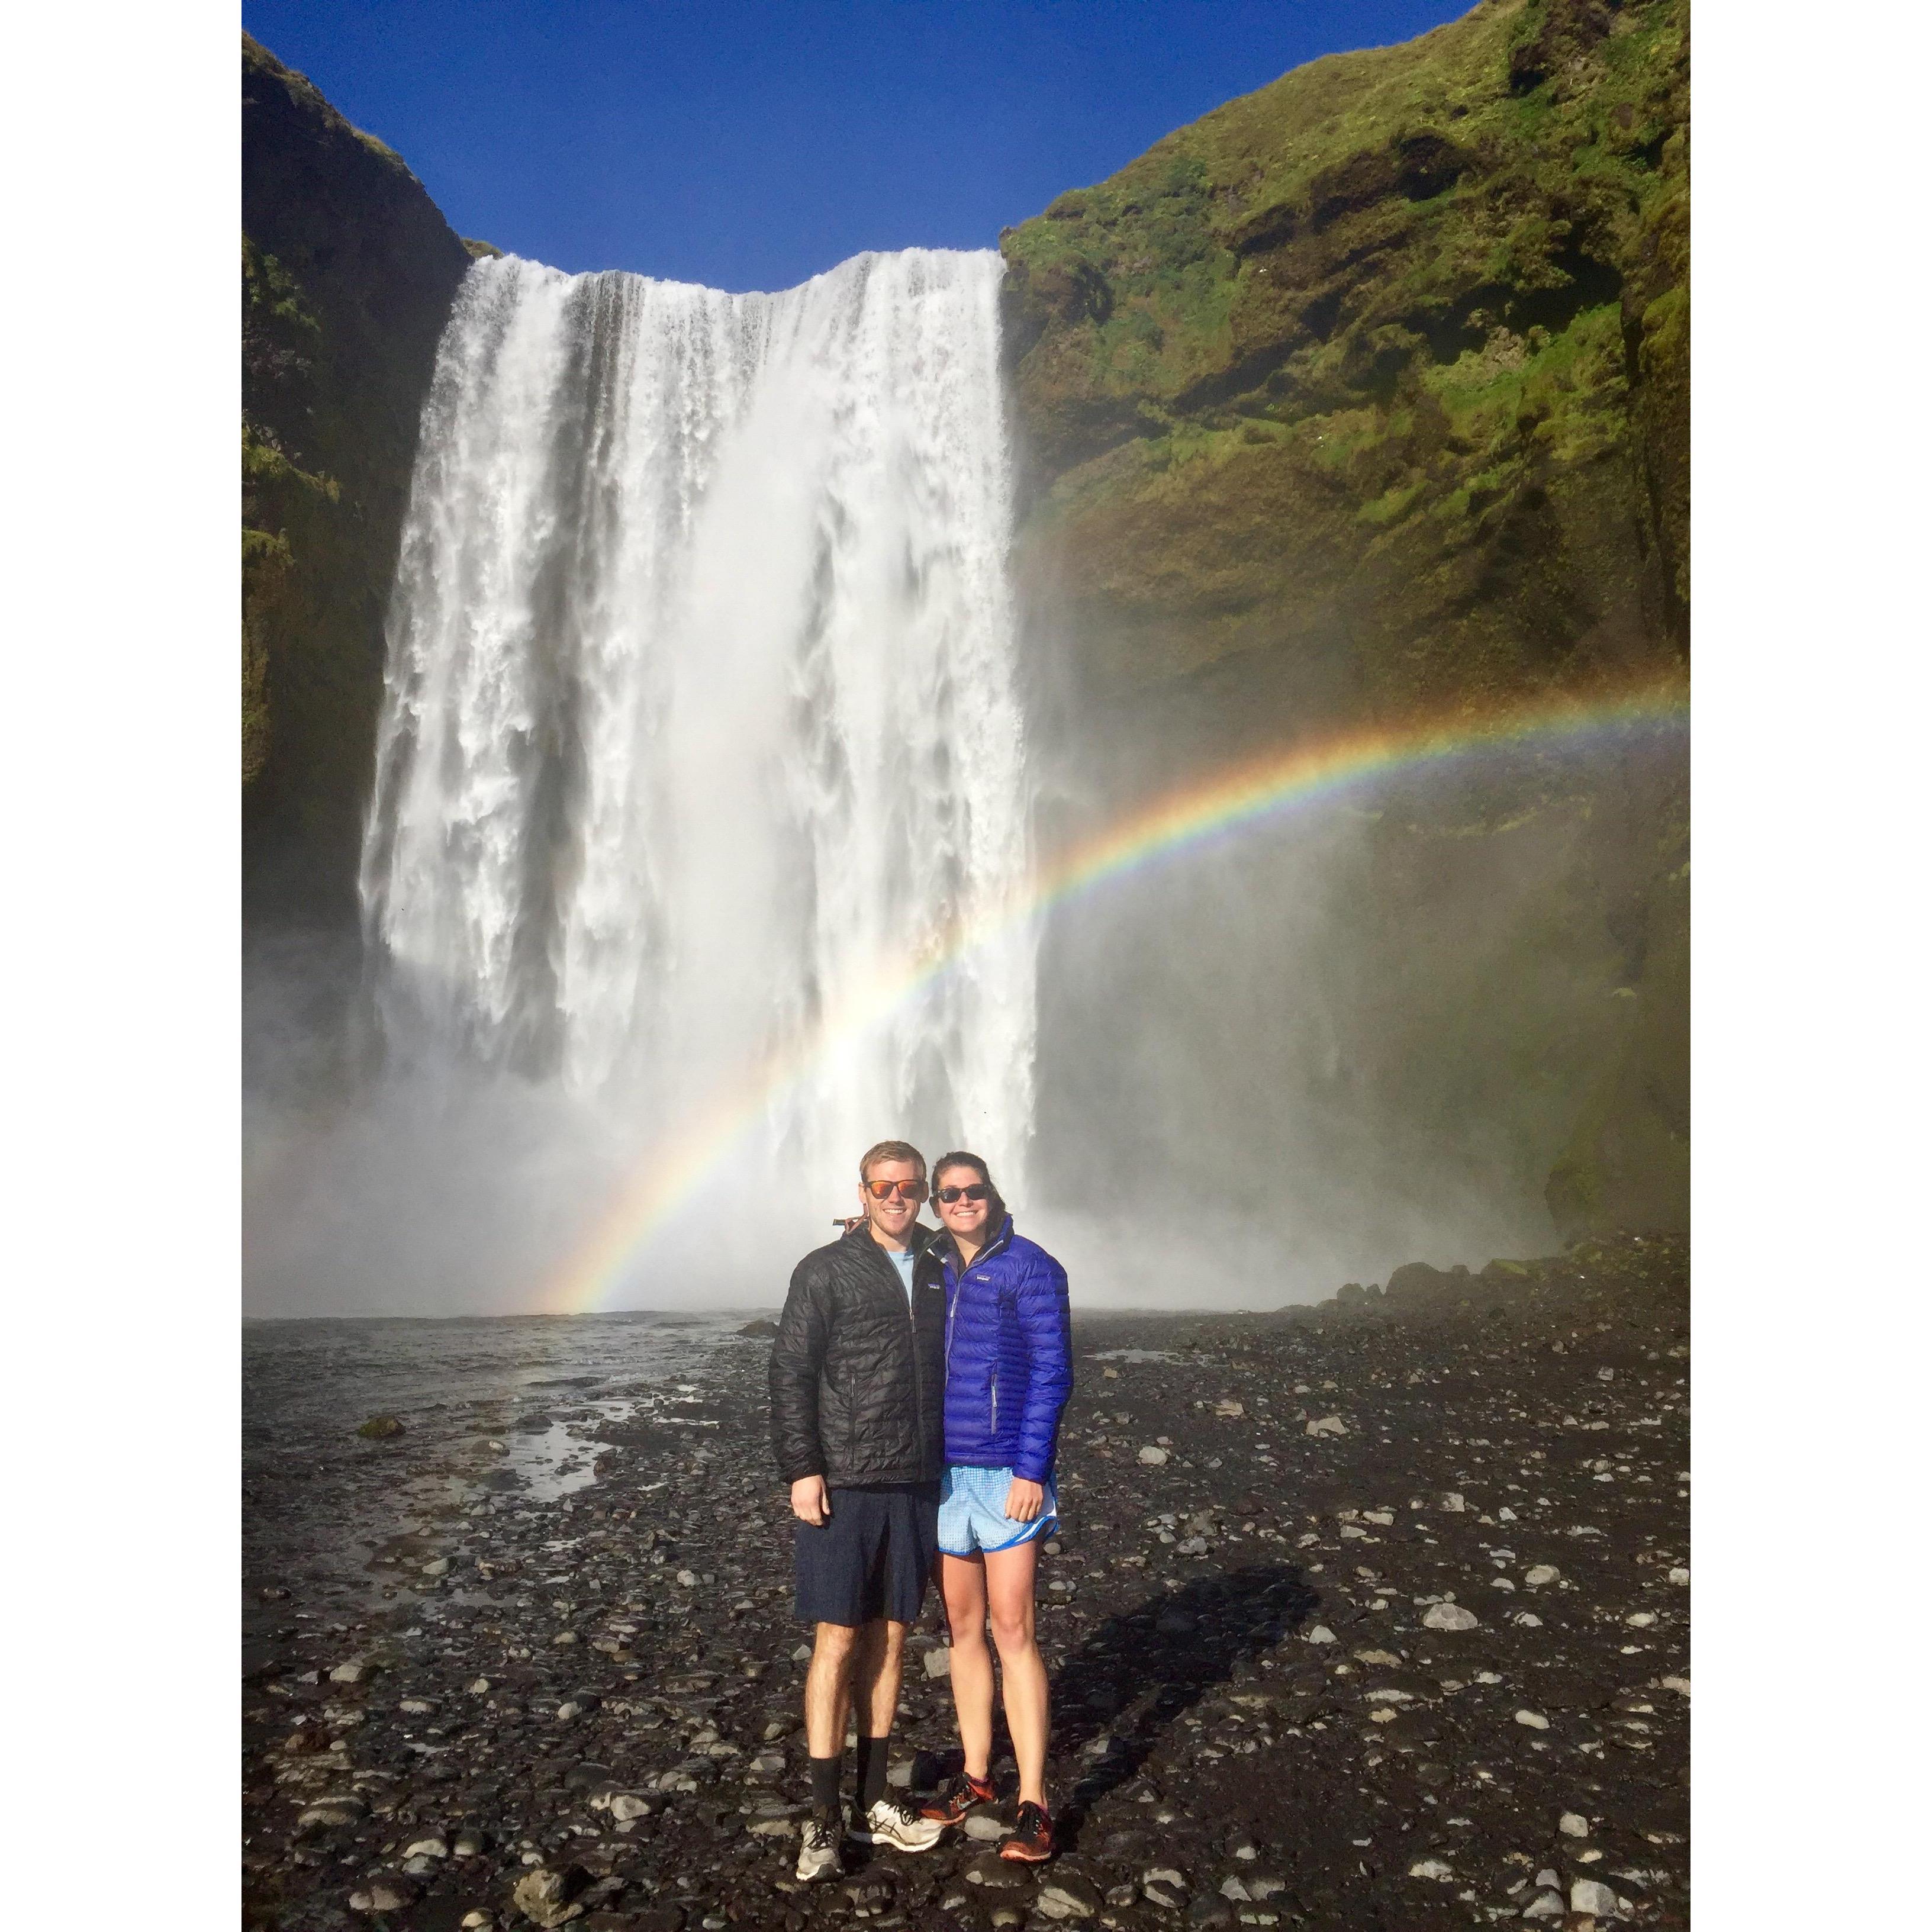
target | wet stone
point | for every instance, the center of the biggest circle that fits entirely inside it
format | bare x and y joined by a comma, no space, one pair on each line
1593,1896
1164,1886
1064,1894
992,1873
384,1894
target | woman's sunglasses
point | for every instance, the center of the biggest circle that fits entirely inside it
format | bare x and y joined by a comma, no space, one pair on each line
977,1191
907,1190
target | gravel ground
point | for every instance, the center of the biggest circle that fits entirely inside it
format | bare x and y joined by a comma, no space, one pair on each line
1373,1614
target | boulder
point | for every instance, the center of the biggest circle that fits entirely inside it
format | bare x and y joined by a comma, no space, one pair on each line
1416,1282
548,1897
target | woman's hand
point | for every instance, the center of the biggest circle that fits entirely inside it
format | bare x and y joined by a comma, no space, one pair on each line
1024,1500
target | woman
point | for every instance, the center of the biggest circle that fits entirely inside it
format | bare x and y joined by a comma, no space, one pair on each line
1008,1371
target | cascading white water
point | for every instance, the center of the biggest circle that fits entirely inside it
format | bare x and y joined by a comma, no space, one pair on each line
701,704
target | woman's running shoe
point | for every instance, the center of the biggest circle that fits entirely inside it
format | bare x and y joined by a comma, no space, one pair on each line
897,1822
957,1796
818,1847
1032,1841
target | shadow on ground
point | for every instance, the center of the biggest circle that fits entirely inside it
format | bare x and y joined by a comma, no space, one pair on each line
1139,1672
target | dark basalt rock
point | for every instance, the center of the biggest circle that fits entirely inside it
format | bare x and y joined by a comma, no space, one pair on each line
348,272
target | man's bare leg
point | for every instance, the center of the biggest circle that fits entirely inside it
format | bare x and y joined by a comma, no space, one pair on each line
878,1663
828,1687
828,1701
876,1671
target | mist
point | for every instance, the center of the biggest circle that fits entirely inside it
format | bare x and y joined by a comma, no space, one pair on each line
1295,1058
1309,1053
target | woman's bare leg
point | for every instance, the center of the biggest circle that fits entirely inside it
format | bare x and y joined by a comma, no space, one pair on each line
1009,1596
962,1582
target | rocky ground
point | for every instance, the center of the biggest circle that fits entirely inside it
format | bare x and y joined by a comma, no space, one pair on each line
1368,1614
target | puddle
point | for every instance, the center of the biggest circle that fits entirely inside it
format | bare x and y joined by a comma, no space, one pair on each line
561,1460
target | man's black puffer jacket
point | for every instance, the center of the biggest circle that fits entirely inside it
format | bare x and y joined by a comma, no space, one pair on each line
859,1382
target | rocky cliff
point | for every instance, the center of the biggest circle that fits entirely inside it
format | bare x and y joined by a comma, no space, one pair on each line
1366,396
347,272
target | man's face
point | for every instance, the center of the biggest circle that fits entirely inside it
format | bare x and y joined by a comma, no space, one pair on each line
892,1214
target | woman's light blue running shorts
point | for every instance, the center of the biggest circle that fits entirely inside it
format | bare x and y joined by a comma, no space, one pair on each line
973,1511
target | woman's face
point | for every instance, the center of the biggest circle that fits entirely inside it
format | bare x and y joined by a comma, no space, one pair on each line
964,1216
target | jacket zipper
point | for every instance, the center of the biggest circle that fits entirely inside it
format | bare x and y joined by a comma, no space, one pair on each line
996,1406
951,1307
912,1322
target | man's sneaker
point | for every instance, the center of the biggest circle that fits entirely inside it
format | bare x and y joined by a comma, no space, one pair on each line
1032,1841
893,1821
818,1847
957,1796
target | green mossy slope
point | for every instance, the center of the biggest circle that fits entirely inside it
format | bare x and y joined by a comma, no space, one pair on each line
347,273
1384,364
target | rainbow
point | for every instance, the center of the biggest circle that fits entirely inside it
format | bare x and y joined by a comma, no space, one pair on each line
1258,793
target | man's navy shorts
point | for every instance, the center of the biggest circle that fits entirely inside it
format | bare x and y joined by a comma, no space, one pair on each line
872,1558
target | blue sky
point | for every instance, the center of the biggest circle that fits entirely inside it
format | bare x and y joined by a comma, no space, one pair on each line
751,145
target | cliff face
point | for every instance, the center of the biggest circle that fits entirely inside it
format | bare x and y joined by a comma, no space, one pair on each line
347,274
1367,395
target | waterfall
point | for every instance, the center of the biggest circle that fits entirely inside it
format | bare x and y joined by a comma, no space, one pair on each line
701,705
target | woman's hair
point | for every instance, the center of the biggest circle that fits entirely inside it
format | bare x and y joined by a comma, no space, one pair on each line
996,1208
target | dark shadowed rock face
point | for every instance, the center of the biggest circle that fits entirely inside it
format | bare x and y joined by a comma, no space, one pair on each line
347,274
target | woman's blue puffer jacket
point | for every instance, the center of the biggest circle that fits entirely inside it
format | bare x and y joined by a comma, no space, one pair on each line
1008,1355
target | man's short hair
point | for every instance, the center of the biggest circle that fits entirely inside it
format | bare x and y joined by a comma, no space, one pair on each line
889,1151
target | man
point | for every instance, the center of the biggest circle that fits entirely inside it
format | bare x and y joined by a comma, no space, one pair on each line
858,1382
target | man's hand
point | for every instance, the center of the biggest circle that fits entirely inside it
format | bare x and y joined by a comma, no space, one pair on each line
1024,1500
810,1502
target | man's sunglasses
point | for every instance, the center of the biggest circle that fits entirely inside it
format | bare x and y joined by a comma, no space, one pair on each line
907,1190
977,1191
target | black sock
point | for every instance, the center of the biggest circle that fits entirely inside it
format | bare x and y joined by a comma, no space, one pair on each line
872,1771
825,1781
